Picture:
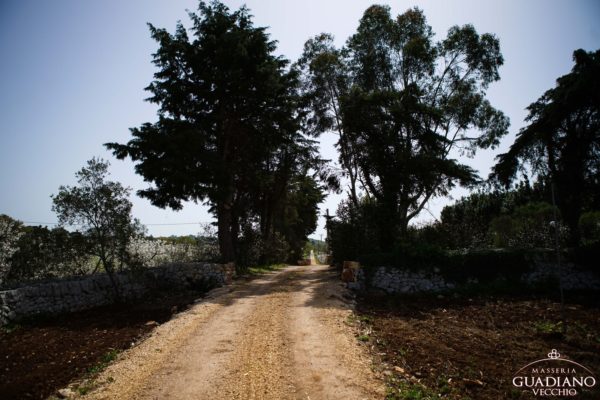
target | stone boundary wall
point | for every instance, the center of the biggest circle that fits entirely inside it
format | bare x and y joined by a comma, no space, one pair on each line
80,293
393,280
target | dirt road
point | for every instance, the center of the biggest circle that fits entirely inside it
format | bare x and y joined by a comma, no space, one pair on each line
282,336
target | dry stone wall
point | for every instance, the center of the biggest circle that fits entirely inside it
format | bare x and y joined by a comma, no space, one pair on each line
76,294
393,280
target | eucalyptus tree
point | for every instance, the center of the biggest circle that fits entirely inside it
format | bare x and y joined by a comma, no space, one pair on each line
325,80
403,105
561,143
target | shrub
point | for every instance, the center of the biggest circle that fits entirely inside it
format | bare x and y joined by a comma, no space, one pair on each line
407,256
586,255
355,231
49,253
10,232
485,265
529,226
589,225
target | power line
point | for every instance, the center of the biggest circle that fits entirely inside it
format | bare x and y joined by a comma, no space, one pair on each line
154,224
178,223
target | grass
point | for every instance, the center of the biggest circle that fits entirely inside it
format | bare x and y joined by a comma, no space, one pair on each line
262,269
363,338
10,328
105,361
573,331
548,327
353,319
404,390
89,383
410,391
363,323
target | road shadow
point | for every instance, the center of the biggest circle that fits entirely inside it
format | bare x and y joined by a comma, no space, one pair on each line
320,285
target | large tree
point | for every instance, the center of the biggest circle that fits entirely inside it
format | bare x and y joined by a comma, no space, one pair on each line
401,104
228,128
561,143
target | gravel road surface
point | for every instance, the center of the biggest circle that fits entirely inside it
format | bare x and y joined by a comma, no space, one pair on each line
280,336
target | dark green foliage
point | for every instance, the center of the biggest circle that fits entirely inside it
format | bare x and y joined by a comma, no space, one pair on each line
299,216
229,126
284,238
400,103
586,255
49,253
466,223
343,242
487,265
517,218
415,256
355,231
469,219
528,226
483,265
562,141
589,226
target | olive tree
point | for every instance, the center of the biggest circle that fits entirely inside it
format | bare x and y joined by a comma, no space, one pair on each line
101,209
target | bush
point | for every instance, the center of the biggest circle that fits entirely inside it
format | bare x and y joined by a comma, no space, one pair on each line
49,253
343,242
151,252
355,231
407,256
10,232
586,255
487,265
484,265
589,225
527,227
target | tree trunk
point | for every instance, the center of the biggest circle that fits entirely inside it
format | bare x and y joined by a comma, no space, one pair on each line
224,222
570,206
108,267
388,225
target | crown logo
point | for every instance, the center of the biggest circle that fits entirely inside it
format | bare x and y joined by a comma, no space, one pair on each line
553,355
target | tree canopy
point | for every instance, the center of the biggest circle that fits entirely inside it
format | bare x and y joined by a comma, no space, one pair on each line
229,130
561,143
401,103
102,211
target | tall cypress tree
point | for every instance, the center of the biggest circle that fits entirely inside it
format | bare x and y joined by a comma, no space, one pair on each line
226,107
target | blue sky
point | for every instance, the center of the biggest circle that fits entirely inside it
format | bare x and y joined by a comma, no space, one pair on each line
72,75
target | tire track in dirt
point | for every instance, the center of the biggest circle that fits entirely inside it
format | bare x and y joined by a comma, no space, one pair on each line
261,365
329,362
